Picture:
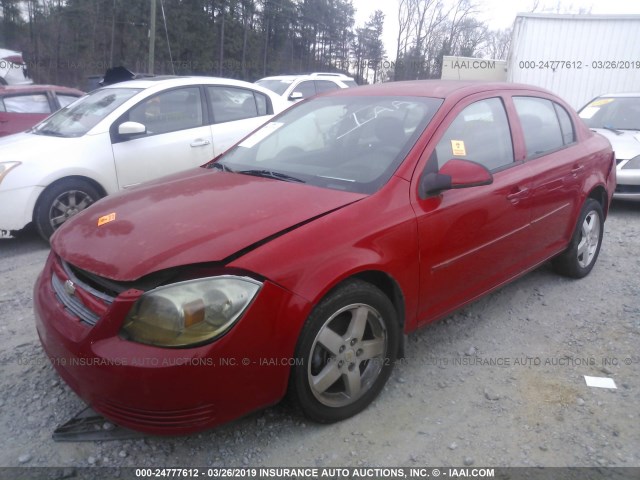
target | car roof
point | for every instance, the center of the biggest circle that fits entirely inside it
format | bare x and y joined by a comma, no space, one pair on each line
170,81
436,88
314,76
16,89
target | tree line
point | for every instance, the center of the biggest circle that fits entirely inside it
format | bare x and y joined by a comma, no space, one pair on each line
64,41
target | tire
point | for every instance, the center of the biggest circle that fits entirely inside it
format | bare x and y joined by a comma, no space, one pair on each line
345,353
60,201
581,255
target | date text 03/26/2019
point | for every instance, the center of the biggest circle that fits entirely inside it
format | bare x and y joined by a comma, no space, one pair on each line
579,65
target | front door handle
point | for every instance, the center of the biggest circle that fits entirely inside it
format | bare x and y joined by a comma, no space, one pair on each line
518,194
200,143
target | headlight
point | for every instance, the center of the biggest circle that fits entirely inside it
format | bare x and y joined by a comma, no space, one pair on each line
189,313
633,163
5,167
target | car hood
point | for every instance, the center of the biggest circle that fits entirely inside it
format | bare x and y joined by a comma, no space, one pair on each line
197,216
28,146
626,145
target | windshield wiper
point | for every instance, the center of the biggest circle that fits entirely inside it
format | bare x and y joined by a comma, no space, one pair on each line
53,133
271,174
611,129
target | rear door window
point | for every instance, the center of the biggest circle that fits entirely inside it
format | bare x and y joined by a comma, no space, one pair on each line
541,121
33,103
229,104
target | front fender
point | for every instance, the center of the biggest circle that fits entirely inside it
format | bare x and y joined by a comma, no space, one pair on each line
376,234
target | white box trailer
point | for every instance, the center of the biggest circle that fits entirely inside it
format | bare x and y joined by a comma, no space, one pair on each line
578,57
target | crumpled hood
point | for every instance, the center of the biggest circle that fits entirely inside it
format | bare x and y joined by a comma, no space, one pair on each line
196,216
626,145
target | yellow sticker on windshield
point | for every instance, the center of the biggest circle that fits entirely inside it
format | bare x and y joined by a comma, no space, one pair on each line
106,219
602,101
457,148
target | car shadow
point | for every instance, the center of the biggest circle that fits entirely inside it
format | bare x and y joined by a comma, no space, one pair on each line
22,242
630,206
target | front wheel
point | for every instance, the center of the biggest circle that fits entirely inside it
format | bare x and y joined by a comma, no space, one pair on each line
61,201
578,260
345,353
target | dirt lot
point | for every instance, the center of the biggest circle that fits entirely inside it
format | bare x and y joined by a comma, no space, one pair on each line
500,383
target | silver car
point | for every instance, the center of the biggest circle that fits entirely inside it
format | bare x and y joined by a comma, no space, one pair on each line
617,117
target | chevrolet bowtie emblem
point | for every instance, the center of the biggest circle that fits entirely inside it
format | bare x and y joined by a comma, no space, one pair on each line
69,287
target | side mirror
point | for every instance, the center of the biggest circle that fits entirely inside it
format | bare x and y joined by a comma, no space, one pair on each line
296,96
128,129
456,173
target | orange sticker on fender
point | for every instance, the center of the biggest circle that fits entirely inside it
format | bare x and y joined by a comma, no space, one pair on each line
106,219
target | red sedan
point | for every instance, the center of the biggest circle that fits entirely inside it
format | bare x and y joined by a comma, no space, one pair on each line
295,262
22,106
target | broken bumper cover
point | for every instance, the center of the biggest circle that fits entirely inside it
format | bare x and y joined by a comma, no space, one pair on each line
171,391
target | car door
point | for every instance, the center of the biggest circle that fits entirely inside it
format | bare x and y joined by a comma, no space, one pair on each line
557,169
235,112
476,238
23,111
176,137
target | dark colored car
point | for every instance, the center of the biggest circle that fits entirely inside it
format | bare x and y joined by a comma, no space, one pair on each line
297,260
22,106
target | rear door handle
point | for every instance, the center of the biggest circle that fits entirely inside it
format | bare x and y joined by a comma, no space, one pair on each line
577,169
200,143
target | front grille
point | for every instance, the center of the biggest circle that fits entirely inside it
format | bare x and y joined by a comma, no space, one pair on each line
94,294
73,304
80,299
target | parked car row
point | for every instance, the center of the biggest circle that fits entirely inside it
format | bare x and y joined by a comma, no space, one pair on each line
118,137
295,262
298,87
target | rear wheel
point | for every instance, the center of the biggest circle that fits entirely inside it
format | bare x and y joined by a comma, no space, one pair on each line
345,353
578,260
61,201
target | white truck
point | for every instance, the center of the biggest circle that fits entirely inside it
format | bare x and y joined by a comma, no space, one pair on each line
578,57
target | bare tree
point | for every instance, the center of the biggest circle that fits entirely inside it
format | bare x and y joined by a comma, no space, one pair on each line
497,44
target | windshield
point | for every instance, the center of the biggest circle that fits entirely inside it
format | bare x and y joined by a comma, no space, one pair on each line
344,143
618,113
277,86
78,118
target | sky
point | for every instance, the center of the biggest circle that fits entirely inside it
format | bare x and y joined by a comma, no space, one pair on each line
498,14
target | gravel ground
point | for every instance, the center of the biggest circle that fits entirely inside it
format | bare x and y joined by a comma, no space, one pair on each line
500,383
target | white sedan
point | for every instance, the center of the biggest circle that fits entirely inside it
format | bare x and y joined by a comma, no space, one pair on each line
119,136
